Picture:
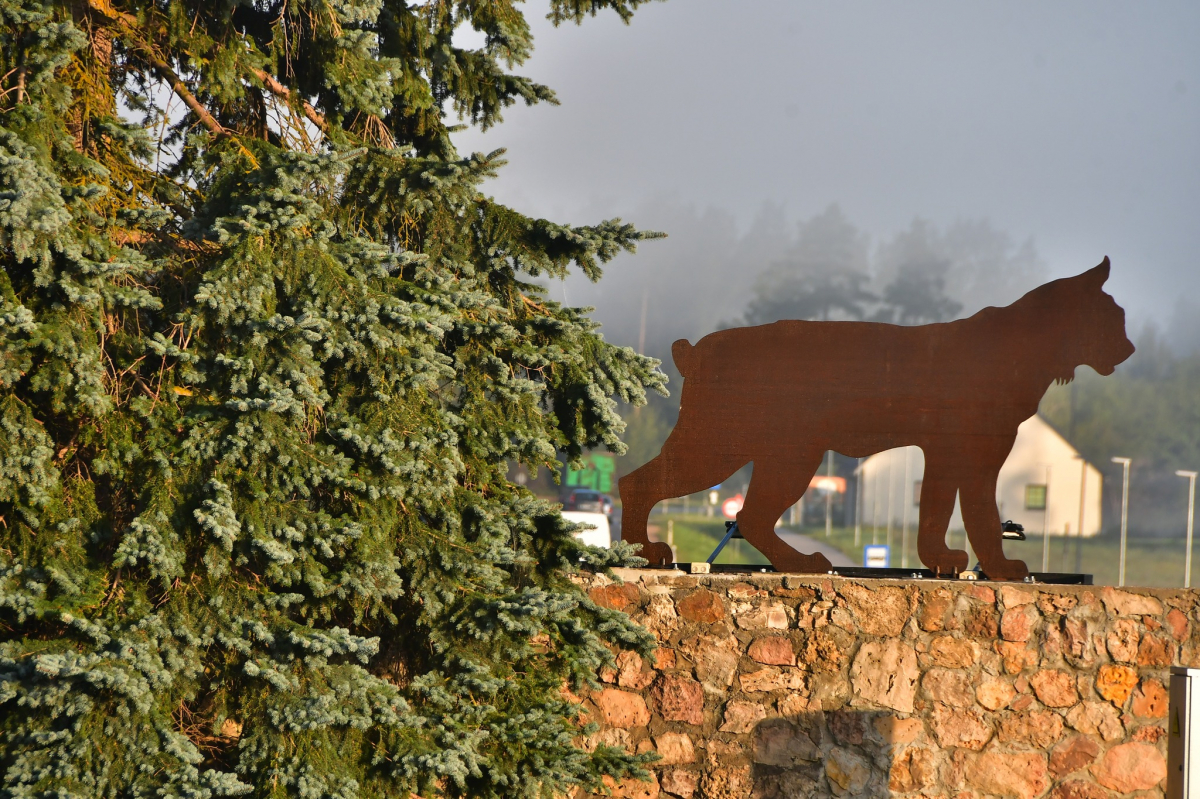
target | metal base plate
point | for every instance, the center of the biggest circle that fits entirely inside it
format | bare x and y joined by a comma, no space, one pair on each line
860,573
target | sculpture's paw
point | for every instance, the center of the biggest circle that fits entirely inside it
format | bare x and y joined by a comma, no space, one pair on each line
1005,569
949,561
798,563
658,553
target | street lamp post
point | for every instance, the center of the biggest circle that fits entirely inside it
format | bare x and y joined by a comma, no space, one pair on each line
858,503
1187,561
1046,524
1124,514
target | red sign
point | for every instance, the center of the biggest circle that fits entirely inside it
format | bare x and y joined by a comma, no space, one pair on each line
825,483
732,506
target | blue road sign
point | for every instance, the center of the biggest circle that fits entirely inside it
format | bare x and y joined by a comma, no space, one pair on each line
876,556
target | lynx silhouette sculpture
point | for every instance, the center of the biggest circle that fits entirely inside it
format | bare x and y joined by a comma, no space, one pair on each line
782,394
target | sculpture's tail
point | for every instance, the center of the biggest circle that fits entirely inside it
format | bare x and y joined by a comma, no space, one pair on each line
684,355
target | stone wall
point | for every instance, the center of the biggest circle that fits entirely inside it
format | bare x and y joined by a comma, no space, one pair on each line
785,686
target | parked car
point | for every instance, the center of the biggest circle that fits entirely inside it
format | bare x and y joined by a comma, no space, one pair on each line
584,499
607,503
599,535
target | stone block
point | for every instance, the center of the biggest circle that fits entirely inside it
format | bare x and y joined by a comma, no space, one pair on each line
953,653
1013,597
1177,623
715,661
1122,640
1151,700
979,621
1017,623
633,789
613,736
679,698
1016,656
846,727
1054,688
793,704
730,782
881,611
772,679
847,772
1131,767
948,686
1073,754
660,617
1020,775
1149,735
962,728
995,694
1039,729
1096,718
674,748
632,672
1123,603
1077,642
773,651
778,742
678,782
1056,604
621,708
898,731
740,717
701,606
1156,650
982,593
618,597
931,616
1078,789
885,673
914,769
771,616
1115,683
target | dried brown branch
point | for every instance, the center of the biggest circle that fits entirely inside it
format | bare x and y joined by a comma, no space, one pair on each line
284,93
181,90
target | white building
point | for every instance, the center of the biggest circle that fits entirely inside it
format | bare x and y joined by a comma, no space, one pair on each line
1044,485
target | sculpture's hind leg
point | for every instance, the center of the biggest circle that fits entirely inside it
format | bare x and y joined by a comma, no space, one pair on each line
938,489
675,472
774,487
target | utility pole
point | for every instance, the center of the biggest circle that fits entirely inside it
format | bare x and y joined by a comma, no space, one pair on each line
1124,514
1187,561
1046,525
858,503
1082,496
906,501
829,495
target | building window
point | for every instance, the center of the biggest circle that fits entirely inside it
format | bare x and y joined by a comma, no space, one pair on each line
917,493
1035,497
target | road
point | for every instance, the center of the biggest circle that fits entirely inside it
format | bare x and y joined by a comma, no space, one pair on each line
809,545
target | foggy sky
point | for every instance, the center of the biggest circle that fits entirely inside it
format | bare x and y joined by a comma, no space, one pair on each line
1076,124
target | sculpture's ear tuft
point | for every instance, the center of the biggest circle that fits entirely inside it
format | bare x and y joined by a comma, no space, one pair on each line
1099,274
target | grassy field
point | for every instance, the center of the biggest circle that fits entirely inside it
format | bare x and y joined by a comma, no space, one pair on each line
1148,562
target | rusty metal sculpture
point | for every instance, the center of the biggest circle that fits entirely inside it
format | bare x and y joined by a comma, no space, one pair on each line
780,395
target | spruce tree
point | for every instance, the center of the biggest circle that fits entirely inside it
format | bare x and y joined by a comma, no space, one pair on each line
266,353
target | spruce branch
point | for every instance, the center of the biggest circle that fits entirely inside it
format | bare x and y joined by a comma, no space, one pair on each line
284,93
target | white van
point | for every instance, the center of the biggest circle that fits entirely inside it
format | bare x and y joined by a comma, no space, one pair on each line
599,536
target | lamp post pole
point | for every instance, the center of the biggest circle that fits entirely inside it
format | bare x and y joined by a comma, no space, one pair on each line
858,503
1124,514
1187,561
1046,525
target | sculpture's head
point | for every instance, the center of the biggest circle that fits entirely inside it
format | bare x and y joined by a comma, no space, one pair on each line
1089,325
